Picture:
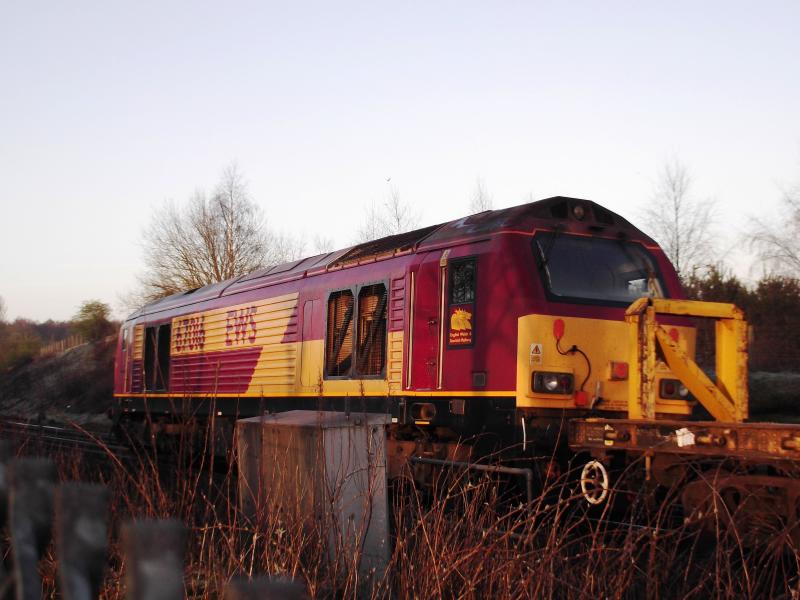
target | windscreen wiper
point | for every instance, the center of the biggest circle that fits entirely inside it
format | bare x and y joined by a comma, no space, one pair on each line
544,253
643,264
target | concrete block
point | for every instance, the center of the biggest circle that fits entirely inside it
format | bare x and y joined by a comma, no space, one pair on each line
327,469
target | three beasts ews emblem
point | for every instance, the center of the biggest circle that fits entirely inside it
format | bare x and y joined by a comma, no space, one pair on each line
460,327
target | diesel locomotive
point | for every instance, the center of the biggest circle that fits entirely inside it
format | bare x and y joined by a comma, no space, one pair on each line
491,327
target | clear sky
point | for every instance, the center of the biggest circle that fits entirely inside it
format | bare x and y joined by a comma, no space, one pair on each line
109,108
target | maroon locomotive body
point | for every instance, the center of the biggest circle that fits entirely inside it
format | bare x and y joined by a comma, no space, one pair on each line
450,329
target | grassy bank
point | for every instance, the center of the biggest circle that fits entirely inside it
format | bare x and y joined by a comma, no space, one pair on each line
462,536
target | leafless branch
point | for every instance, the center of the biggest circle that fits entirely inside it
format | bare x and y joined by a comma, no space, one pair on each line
210,239
681,223
391,217
322,244
778,244
481,199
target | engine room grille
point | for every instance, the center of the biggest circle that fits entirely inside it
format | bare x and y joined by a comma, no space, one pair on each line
372,305
339,334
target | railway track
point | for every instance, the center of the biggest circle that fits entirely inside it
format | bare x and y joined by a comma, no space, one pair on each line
94,443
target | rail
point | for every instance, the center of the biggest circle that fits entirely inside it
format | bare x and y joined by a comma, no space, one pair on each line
88,442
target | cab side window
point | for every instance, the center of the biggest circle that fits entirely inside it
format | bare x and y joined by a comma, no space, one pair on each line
461,305
462,282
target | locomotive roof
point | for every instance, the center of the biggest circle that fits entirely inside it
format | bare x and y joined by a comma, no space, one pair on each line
547,213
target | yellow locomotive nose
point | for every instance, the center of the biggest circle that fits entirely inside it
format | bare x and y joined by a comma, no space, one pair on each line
581,363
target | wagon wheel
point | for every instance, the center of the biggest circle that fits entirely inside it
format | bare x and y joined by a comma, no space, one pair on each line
594,482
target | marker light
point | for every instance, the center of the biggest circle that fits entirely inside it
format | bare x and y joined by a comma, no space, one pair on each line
673,389
552,383
558,329
618,371
581,399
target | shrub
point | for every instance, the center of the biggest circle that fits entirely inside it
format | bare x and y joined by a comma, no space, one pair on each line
91,321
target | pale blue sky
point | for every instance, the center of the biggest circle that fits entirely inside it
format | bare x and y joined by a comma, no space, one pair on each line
107,109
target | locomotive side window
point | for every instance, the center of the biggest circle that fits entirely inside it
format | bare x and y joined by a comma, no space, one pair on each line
462,282
339,334
461,308
156,358
371,351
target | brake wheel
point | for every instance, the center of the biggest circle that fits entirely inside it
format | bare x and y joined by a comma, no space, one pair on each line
595,482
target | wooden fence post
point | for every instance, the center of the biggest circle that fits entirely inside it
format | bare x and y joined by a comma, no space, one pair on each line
265,588
155,552
31,484
81,536
6,452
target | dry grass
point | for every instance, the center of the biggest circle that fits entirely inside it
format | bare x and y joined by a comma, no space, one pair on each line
463,536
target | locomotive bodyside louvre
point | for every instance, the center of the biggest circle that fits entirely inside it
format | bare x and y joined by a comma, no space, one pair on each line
235,349
133,360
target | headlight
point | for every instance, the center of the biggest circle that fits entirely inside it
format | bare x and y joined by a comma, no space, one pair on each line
552,383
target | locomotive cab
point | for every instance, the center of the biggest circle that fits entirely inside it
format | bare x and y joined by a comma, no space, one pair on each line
577,350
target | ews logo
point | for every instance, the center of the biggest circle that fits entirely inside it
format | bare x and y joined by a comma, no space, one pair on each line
240,326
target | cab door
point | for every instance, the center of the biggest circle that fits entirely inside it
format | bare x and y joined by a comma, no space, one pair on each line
426,336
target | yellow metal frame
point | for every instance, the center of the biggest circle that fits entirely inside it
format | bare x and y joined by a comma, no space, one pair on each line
725,399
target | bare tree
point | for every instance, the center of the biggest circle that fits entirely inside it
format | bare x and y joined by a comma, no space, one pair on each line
322,244
481,199
209,239
681,223
778,245
391,217
372,226
284,247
